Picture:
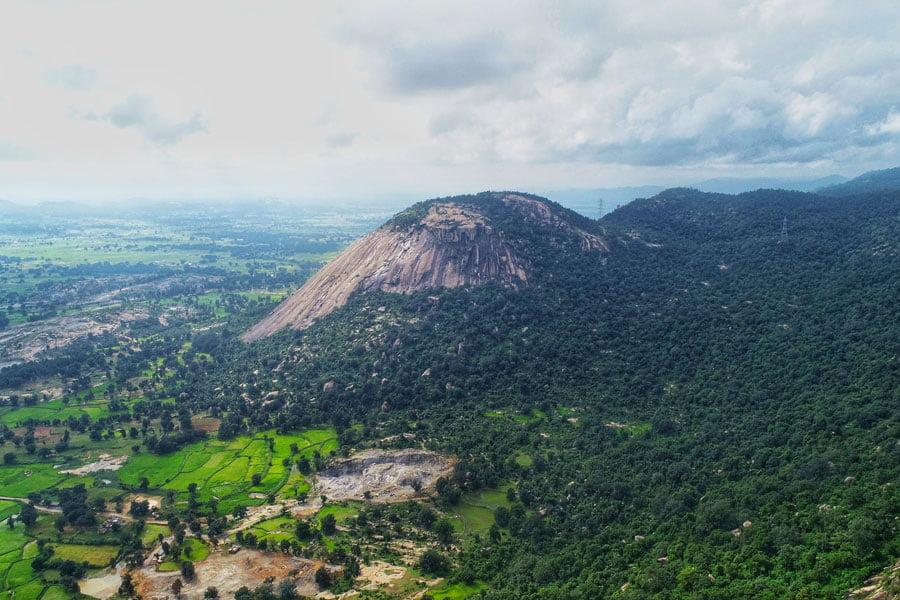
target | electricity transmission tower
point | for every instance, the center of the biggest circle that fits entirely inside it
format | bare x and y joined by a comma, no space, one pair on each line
600,207
784,236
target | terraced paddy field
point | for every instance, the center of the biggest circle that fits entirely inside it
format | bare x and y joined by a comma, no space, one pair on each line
274,530
225,469
17,579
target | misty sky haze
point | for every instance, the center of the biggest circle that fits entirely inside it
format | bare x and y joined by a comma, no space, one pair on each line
105,100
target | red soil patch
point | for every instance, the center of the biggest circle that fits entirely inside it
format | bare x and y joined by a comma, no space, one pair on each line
207,424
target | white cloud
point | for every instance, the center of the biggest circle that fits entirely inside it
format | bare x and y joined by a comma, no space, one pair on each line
890,125
138,112
74,77
348,98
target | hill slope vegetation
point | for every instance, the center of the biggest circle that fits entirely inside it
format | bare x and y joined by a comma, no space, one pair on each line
705,406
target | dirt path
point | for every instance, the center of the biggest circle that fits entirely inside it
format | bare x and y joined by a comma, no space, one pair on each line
263,512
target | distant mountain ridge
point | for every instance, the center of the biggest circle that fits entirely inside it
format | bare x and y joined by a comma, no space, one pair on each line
872,181
585,200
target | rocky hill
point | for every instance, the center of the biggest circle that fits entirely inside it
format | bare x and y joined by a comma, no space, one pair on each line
443,243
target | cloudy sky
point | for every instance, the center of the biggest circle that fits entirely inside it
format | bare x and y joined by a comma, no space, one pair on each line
316,100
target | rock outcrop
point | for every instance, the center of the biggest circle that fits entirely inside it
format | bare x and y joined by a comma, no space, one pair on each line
446,244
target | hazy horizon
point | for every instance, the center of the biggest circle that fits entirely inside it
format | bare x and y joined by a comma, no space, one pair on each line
105,102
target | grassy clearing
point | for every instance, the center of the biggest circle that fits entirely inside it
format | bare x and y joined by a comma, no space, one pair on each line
630,428
455,591
193,550
341,512
475,511
524,460
152,532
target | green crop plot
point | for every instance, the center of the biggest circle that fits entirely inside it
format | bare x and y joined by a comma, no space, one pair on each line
7,508
18,481
225,469
96,556
341,512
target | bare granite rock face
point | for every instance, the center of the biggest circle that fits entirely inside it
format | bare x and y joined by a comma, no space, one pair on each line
883,586
451,246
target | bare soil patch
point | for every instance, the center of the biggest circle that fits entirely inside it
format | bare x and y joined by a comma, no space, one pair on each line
387,475
207,424
106,463
228,572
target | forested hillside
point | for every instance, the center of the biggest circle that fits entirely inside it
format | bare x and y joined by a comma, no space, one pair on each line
708,410
867,183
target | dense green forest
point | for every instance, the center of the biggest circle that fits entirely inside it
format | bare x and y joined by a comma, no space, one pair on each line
710,410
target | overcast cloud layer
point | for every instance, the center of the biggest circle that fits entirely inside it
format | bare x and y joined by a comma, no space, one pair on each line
116,100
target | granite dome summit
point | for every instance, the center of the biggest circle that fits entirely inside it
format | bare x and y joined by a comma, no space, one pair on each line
441,243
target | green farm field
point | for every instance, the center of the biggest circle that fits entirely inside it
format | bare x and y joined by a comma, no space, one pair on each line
225,469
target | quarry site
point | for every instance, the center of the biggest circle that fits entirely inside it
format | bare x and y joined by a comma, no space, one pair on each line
384,476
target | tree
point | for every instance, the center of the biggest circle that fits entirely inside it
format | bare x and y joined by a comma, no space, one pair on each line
211,593
126,588
287,590
139,508
329,524
9,458
434,563
444,530
243,593
323,577
302,530
494,533
256,479
28,514
187,570
501,516
176,587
